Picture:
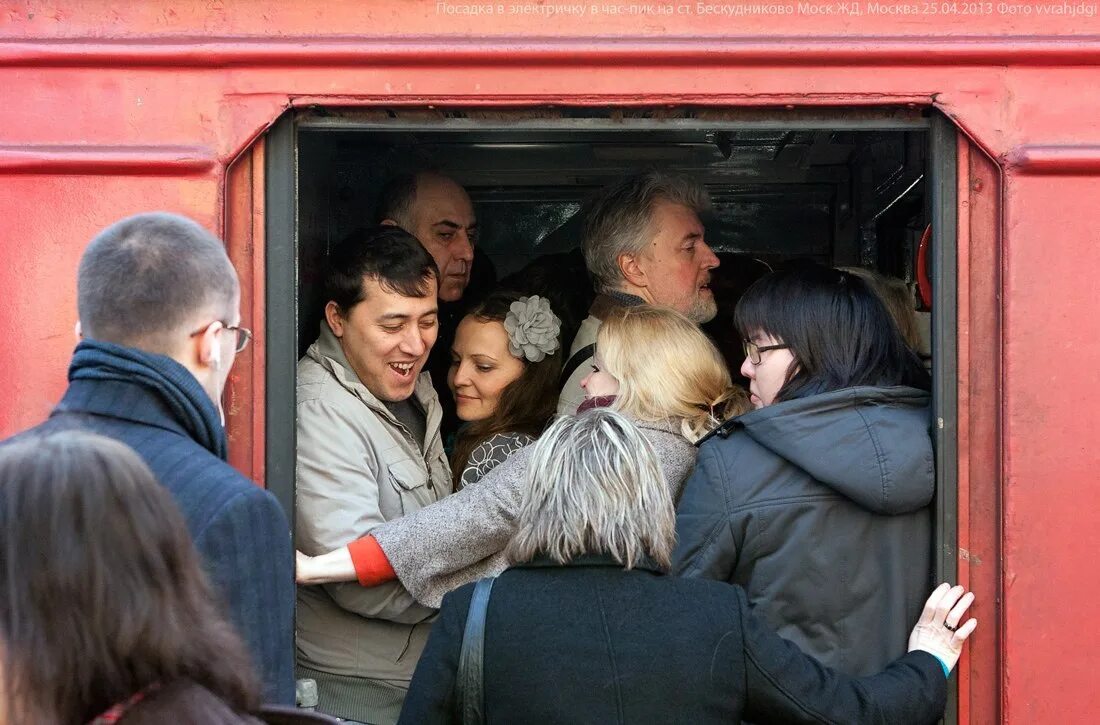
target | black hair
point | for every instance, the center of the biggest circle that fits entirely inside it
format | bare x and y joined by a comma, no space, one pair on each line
387,254
101,590
142,278
839,331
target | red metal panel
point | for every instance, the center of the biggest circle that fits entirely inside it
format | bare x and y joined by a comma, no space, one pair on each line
979,467
244,235
114,108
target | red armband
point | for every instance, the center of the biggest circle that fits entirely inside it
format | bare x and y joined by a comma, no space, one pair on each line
371,565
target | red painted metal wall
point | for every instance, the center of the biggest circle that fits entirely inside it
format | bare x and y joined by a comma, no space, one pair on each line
110,108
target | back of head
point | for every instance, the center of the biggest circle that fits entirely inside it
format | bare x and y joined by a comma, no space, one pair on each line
594,486
667,368
386,254
898,299
144,279
397,200
619,220
102,593
839,331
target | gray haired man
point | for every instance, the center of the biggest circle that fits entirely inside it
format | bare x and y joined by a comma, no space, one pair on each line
643,244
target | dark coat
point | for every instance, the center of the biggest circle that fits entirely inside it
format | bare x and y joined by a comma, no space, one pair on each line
592,643
818,507
157,407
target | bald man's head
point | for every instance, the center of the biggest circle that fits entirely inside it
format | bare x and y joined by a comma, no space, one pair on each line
437,211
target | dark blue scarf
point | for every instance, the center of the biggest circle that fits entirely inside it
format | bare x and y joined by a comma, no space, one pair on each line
171,382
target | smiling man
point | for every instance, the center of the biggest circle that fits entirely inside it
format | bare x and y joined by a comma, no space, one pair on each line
369,451
643,244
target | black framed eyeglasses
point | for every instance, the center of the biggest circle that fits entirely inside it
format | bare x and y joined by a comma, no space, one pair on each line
242,335
752,350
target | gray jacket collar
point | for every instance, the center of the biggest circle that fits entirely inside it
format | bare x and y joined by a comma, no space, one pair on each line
326,351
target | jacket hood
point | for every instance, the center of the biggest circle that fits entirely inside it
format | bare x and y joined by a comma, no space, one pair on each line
871,445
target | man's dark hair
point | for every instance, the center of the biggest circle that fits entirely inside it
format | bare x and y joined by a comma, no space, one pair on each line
102,589
839,331
387,254
143,278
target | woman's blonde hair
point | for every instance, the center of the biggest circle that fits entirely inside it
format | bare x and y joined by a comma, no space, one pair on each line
594,486
667,368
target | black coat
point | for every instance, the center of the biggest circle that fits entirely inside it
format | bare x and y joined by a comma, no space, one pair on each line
819,508
592,643
154,405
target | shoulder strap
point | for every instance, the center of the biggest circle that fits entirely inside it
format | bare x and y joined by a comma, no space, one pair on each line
471,659
574,362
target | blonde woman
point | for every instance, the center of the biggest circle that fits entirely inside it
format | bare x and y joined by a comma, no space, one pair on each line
653,364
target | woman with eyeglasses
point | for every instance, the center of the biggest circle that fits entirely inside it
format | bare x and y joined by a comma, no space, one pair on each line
818,501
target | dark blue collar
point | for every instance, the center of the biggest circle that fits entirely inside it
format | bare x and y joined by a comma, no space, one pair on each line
130,384
542,561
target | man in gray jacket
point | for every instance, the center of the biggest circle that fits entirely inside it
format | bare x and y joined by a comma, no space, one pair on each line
643,243
369,451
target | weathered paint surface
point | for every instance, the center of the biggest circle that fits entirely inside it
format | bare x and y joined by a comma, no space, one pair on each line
112,108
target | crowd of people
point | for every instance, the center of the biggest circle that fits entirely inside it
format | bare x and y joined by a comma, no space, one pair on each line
527,501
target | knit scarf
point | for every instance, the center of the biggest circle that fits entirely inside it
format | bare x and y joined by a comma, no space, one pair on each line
162,376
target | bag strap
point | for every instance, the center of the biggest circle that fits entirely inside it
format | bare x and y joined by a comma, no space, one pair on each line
574,362
471,658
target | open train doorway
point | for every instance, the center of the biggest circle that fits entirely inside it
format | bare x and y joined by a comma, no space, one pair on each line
867,188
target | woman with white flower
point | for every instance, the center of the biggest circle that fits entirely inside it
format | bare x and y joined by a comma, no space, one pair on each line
668,379
505,363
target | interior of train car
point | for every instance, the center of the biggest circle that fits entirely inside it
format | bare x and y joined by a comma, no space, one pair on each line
841,196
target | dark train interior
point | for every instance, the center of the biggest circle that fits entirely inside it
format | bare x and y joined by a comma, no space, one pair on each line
844,197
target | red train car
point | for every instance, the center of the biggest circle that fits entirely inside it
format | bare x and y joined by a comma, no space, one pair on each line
839,130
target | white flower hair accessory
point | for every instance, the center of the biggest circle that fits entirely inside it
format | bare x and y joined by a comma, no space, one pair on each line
533,328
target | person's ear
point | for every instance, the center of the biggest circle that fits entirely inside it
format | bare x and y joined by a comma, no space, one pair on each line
209,351
78,330
632,271
334,319
389,223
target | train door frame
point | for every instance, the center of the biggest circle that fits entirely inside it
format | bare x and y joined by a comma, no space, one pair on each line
280,283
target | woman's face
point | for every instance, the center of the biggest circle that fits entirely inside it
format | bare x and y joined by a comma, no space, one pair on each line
481,368
599,382
767,377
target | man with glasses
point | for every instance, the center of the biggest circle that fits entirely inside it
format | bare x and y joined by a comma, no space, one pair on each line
159,307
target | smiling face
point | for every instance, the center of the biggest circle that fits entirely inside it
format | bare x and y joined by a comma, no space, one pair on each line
442,217
768,377
386,338
677,263
599,383
481,367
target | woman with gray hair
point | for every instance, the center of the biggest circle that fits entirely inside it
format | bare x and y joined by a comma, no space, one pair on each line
588,629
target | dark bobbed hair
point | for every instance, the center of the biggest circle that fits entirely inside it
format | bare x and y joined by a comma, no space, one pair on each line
839,331
387,254
526,404
142,279
101,591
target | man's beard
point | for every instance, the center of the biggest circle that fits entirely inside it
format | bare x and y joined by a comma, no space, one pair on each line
703,309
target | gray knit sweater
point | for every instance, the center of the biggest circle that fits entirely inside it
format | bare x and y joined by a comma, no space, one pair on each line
461,538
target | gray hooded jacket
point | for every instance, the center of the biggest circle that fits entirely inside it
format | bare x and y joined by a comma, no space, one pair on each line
819,508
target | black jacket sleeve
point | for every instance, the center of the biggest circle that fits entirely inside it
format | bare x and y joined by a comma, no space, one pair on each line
706,546
431,699
783,684
250,561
